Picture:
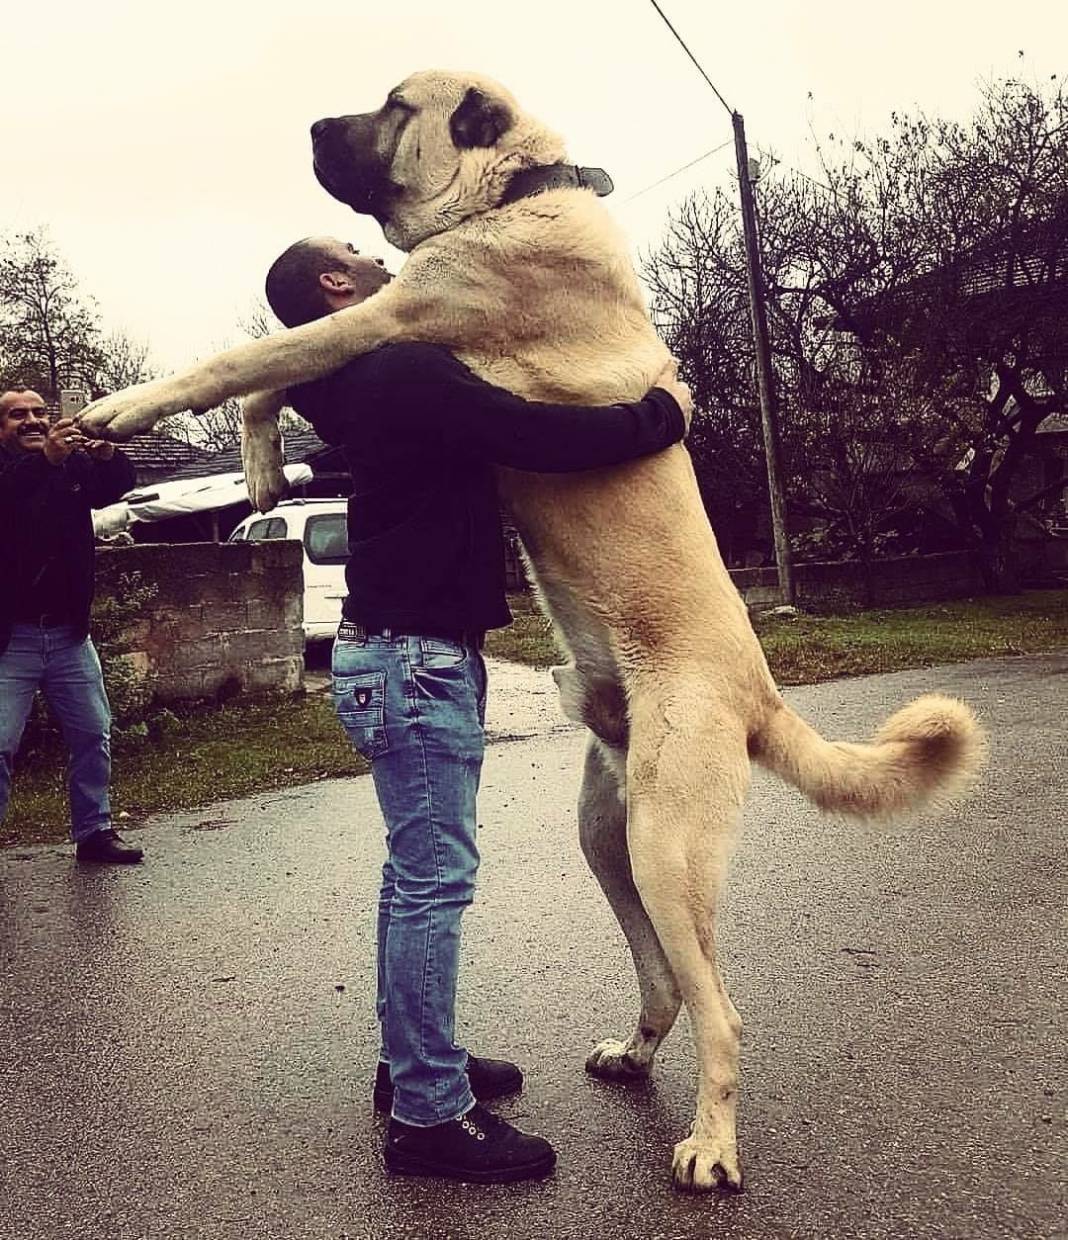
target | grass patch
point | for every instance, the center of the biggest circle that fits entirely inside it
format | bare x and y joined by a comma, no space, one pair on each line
528,639
211,754
807,649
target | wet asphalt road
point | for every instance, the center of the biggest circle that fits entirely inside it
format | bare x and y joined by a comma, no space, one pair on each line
185,1047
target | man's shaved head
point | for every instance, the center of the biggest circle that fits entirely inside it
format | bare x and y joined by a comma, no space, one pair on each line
319,275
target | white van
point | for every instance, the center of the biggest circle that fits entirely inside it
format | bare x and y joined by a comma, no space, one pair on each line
320,525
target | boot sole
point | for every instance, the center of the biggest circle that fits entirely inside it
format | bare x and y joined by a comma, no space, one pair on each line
406,1164
91,860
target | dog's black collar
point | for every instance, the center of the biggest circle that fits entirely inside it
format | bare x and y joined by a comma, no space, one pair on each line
533,181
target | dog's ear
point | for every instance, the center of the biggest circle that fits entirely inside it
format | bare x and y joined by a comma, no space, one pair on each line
478,121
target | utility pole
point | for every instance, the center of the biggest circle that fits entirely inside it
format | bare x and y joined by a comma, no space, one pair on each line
765,377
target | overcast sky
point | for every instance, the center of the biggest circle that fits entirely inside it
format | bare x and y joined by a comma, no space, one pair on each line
166,148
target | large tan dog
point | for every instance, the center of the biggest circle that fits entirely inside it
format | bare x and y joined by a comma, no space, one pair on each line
536,293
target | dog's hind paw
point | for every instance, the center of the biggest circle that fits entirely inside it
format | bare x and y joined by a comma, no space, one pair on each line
615,1061
702,1165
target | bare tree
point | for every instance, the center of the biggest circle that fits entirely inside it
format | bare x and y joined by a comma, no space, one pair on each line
941,251
966,232
49,333
220,428
123,361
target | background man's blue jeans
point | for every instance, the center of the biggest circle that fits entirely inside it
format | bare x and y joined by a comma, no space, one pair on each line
415,707
67,669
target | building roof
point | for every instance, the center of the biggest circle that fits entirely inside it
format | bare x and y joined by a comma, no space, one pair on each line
302,445
157,450
1004,278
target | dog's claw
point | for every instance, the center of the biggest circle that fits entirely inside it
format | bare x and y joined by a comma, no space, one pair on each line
703,1165
264,491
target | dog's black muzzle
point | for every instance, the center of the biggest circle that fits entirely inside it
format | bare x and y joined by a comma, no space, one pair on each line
347,165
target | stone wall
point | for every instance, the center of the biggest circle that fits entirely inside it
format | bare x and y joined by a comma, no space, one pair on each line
226,617
892,583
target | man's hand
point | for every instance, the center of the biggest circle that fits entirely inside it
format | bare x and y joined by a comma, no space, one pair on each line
99,449
668,380
62,439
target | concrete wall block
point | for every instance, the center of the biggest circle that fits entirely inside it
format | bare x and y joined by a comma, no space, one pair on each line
277,553
201,655
181,687
241,650
277,582
761,597
271,613
229,617
293,611
176,624
277,675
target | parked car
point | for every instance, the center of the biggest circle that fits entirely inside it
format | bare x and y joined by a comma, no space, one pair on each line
320,526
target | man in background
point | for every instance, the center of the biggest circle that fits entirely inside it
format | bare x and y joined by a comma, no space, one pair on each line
51,478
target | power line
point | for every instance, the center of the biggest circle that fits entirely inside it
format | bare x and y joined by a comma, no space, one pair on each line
691,56
699,158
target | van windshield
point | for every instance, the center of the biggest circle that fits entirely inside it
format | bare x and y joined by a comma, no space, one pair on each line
326,538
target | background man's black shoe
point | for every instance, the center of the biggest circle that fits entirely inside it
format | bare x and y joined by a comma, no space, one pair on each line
489,1079
478,1148
107,848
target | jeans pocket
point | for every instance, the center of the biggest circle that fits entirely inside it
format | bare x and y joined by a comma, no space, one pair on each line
360,702
439,654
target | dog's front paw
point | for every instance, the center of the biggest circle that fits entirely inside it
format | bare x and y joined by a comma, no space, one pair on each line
266,486
703,1164
124,414
261,457
615,1061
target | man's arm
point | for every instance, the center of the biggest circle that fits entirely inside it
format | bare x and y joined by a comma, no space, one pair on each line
108,474
429,388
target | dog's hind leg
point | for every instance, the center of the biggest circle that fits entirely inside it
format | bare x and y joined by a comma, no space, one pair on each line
603,836
687,776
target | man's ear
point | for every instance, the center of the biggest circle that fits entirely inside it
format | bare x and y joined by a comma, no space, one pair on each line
478,121
335,282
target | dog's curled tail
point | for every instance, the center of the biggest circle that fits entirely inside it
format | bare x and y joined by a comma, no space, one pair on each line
923,754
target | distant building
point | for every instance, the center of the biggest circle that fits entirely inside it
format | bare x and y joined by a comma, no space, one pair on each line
329,478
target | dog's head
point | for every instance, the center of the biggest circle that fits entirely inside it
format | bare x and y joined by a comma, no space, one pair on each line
441,148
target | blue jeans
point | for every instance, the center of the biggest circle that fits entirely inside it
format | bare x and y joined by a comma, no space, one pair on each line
415,707
66,668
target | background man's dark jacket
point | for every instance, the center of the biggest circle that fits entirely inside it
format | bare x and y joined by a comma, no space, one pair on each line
46,516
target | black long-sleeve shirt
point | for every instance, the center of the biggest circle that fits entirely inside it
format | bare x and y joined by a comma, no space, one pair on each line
421,434
46,511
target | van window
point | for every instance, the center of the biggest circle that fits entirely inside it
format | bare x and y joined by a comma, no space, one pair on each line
326,538
272,527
